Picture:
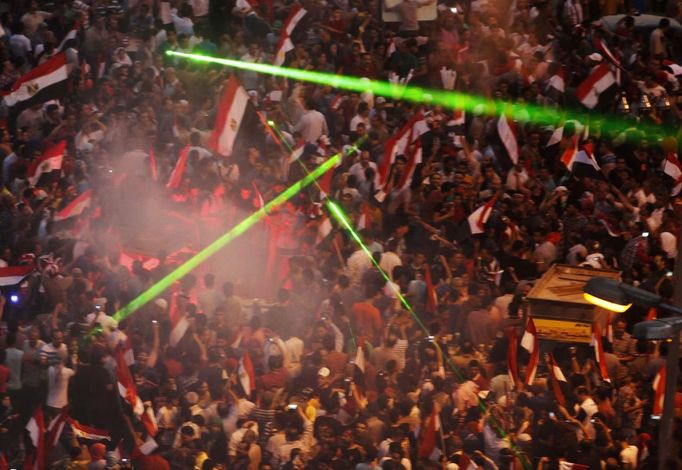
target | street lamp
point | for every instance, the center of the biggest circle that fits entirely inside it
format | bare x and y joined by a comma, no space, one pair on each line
618,297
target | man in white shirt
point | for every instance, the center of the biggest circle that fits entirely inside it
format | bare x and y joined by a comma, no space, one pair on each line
55,352
312,124
211,298
58,386
361,117
358,168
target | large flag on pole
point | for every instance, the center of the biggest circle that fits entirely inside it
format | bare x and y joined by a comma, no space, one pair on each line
45,82
234,106
285,43
126,385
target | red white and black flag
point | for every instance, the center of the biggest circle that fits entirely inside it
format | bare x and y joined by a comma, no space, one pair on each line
285,43
507,133
75,207
600,79
46,82
13,275
236,116
672,167
581,162
49,161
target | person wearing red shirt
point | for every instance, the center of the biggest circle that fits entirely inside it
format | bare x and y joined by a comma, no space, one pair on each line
367,317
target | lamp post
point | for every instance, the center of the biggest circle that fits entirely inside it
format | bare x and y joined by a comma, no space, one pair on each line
618,297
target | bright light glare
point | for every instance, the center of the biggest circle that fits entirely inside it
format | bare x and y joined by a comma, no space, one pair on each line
614,307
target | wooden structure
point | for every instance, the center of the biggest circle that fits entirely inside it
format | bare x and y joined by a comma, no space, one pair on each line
557,305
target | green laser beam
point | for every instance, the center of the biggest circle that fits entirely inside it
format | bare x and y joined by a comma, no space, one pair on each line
521,112
343,219
340,215
192,263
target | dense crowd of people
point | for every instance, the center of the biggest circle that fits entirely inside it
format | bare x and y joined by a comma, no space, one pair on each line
390,355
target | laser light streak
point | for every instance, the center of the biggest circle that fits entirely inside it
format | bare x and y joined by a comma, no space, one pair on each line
191,264
521,112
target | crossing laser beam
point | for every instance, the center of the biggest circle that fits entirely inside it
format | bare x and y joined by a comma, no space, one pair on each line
192,263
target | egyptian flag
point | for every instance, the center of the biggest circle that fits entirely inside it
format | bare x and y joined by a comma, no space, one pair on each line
126,385
556,376
556,83
555,138
414,158
581,162
46,82
479,217
149,419
285,43
178,321
507,134
13,275
51,160
325,182
601,78
603,48
236,115
671,166
75,207
431,295
360,359
89,433
55,428
36,432
531,343
659,391
247,377
399,143
428,435
596,343
179,170
512,359
70,37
